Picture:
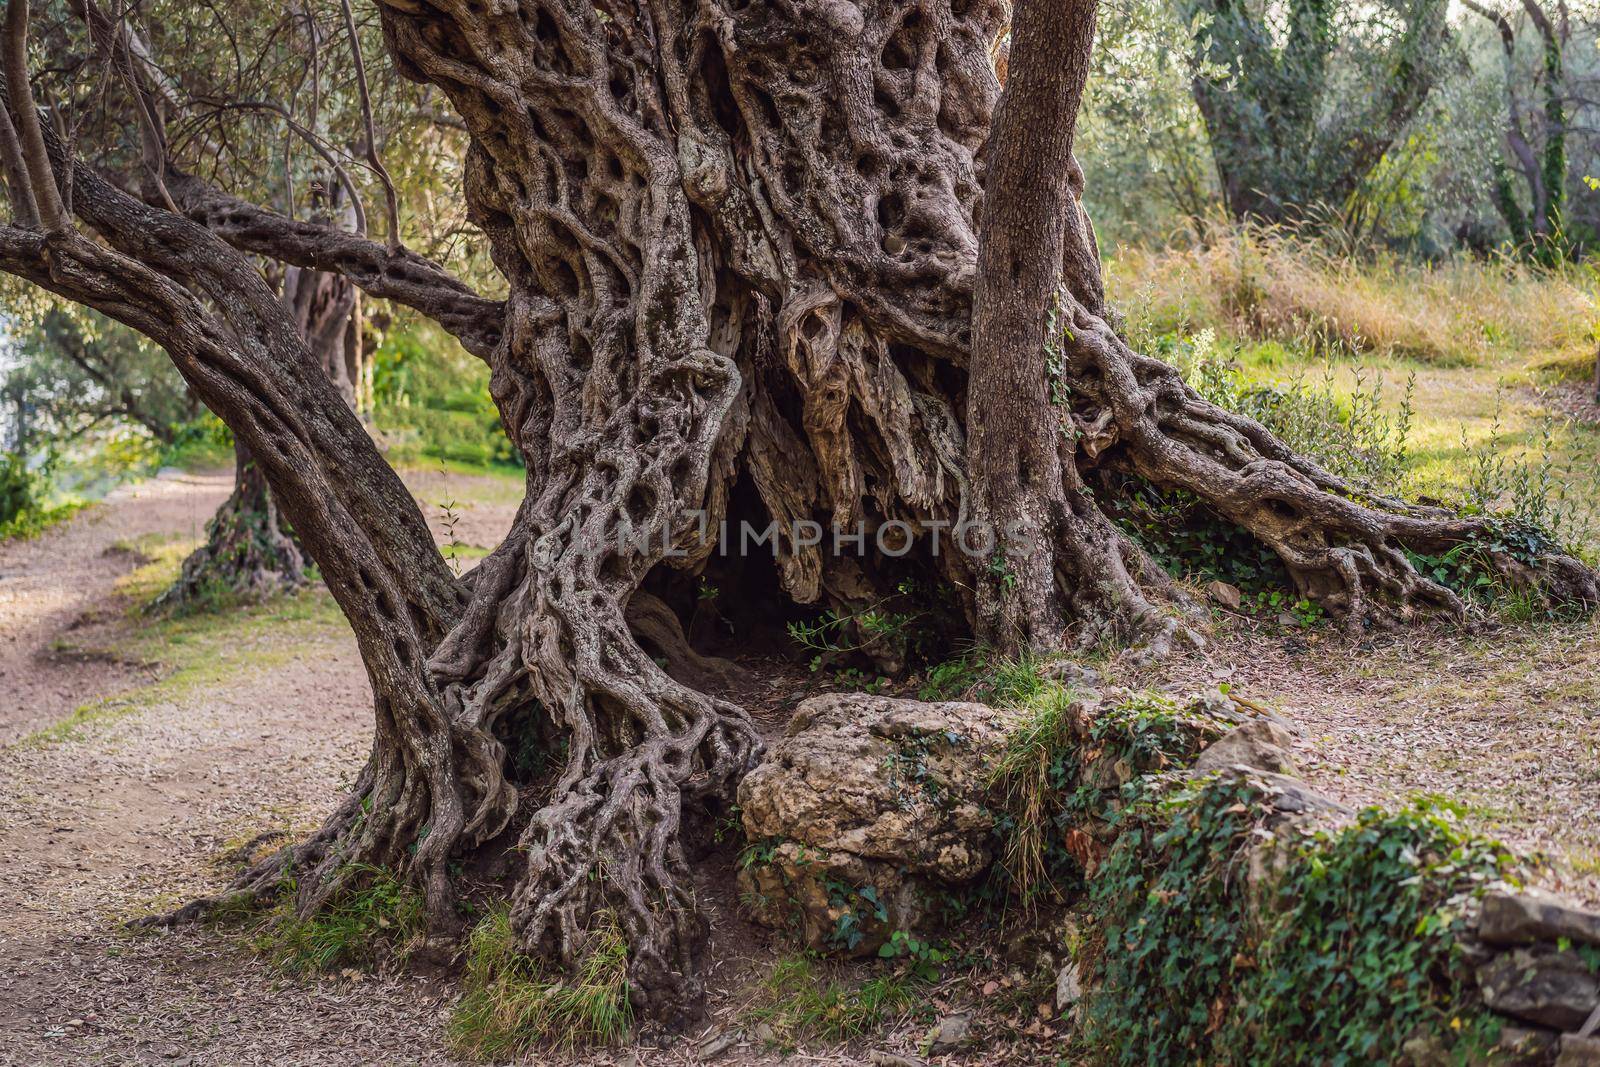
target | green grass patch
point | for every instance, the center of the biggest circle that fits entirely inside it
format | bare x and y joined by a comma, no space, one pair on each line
512,1006
363,928
802,1005
197,652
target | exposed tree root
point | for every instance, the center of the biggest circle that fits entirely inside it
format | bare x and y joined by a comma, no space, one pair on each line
1343,547
250,552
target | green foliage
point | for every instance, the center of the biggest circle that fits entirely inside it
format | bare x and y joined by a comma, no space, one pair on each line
859,907
923,957
1347,949
1352,434
199,444
1295,121
905,626
1527,496
431,401
802,1005
513,1006
363,928
20,488
1190,540
25,507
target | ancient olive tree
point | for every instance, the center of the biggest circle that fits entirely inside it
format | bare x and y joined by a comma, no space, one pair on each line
762,262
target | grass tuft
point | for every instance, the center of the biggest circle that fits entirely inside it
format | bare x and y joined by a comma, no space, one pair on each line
363,928
802,1006
512,1006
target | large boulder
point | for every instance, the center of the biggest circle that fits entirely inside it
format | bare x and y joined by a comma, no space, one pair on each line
1531,915
865,813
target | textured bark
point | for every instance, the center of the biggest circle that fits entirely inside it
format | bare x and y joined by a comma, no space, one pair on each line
1021,447
741,253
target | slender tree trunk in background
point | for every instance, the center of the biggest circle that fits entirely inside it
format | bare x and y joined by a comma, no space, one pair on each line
323,306
1543,170
249,552
250,549
1017,428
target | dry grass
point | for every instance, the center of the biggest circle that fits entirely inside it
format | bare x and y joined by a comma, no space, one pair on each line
1267,285
1481,344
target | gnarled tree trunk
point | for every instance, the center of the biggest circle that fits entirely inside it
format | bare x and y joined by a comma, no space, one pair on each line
741,246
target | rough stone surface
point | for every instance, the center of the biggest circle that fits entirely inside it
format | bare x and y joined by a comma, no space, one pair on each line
1579,1051
950,1033
863,811
1534,915
1259,744
1540,985
1518,1045
1069,987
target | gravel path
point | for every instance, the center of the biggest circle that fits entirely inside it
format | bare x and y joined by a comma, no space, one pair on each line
55,591
132,814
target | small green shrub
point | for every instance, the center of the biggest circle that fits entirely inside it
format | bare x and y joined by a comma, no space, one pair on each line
25,509
1353,435
1190,540
363,928
512,1006
1351,949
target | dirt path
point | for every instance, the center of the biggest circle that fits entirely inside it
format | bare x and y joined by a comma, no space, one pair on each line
131,812
55,589
1501,727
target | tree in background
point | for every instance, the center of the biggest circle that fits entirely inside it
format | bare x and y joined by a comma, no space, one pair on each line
77,371
1534,135
1301,100
763,263
286,112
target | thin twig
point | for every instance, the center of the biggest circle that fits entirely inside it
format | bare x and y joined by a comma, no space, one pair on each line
390,197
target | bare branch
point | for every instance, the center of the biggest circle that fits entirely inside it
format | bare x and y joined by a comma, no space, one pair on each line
403,277
52,215
390,199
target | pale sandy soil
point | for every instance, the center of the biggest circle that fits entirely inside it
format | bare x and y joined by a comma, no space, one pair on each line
53,592
132,814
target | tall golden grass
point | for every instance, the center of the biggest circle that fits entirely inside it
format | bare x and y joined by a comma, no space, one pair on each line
1269,284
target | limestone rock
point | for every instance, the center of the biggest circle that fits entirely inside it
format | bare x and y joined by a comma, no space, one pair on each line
1259,744
1069,987
1534,915
1539,985
864,810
